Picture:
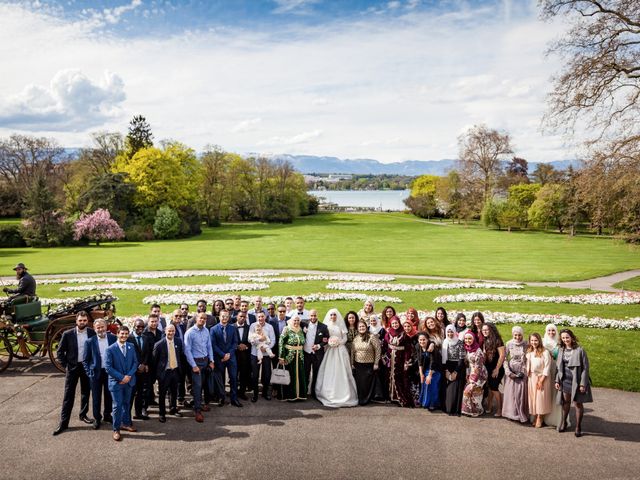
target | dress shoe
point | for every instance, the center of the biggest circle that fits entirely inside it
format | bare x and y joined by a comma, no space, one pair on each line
107,419
221,402
175,413
128,428
162,419
236,403
59,429
206,408
254,398
86,419
578,433
267,397
242,396
96,424
199,417
138,417
116,436
188,403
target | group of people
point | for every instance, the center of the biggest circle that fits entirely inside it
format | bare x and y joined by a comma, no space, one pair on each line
461,368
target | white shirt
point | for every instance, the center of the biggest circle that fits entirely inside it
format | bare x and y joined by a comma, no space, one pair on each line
241,330
304,314
103,343
310,337
267,330
81,336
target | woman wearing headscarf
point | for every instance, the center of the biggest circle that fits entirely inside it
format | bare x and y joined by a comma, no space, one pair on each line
365,359
399,351
515,404
476,377
430,366
335,386
572,379
413,374
368,311
493,348
412,316
538,381
551,342
291,356
381,384
461,325
453,361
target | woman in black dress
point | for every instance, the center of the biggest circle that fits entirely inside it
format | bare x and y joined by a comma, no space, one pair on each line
453,357
493,348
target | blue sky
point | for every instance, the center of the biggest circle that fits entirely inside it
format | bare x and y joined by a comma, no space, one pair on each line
393,80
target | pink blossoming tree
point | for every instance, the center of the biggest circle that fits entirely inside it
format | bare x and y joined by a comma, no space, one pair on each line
97,227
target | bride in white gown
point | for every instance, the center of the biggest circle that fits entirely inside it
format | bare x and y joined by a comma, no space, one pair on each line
335,386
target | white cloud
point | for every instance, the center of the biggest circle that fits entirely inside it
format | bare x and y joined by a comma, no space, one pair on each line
384,88
293,6
71,101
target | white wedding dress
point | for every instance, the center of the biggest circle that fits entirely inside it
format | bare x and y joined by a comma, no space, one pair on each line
335,386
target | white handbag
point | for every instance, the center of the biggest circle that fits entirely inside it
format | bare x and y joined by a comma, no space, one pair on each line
280,376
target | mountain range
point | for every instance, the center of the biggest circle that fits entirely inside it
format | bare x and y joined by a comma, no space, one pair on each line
314,164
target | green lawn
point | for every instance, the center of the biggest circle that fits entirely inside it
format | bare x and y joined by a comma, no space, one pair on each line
630,284
9,221
382,243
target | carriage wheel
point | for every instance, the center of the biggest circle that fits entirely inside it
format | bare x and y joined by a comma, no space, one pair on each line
6,353
53,347
22,347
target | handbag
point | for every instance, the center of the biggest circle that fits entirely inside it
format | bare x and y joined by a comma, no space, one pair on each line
280,376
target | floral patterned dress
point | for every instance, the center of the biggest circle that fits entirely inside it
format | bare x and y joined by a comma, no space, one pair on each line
399,351
290,346
473,390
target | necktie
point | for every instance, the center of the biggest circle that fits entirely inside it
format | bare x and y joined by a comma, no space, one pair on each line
140,342
224,333
173,362
124,350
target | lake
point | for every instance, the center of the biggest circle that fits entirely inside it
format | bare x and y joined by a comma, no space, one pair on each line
378,199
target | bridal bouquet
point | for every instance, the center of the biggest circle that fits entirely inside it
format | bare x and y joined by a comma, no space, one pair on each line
334,341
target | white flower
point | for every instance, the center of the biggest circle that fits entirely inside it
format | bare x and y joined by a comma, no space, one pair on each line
215,287
54,281
403,287
624,298
191,299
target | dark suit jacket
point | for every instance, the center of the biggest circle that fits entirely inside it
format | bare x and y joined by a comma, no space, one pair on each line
220,347
67,352
92,362
144,355
26,286
117,366
245,336
161,356
322,335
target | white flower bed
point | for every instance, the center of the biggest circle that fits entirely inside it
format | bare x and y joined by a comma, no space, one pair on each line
320,277
216,287
403,287
545,318
192,299
55,281
625,298
199,273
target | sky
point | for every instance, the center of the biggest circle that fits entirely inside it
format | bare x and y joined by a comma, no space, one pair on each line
387,80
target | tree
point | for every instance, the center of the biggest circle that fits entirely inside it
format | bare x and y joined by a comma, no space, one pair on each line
520,199
215,166
97,227
43,224
481,153
167,223
546,173
112,192
549,208
448,195
106,147
139,135
599,84
422,200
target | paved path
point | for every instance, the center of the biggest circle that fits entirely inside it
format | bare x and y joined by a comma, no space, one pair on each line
307,441
600,283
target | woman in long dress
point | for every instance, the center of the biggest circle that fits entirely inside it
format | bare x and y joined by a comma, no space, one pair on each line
292,357
515,405
476,377
551,342
539,382
351,321
365,359
381,387
453,356
430,365
399,350
493,348
335,386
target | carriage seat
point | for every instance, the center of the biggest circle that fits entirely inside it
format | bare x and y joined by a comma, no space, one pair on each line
27,311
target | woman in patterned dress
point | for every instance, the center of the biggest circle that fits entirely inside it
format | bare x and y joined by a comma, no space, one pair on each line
399,350
476,377
515,404
365,359
291,356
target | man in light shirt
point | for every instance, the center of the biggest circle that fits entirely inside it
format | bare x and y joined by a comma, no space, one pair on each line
95,349
262,370
257,306
197,348
299,311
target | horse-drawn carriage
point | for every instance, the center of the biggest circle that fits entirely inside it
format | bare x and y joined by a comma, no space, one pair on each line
25,331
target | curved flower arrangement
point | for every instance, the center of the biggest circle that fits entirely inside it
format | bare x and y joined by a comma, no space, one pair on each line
544,318
192,299
625,298
55,281
403,287
199,273
216,287
311,278
69,302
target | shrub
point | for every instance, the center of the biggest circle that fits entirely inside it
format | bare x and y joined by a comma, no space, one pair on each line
97,227
167,223
10,236
50,231
139,233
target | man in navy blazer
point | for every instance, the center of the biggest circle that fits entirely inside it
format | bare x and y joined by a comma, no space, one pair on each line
70,354
224,341
95,350
168,369
121,365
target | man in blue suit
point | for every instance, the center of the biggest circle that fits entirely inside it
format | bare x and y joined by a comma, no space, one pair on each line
95,352
121,364
224,341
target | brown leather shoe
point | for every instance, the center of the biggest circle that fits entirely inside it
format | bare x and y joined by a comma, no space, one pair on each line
128,428
199,417
206,408
116,436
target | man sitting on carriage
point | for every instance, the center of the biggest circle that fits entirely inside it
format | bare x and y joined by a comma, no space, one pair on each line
26,285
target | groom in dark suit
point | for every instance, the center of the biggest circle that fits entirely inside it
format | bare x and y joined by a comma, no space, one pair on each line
70,354
316,338
243,355
224,341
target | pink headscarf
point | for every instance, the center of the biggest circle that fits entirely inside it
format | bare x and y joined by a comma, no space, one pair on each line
474,346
